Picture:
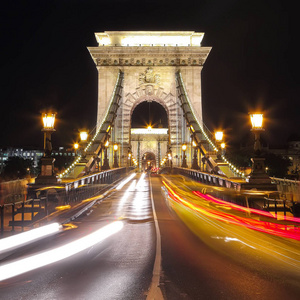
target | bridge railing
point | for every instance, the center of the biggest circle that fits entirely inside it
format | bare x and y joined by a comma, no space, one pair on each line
43,201
276,202
210,179
290,189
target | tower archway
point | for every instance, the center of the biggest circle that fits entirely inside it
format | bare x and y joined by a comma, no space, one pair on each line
149,113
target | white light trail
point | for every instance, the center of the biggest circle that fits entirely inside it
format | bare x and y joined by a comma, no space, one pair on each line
141,183
125,196
51,256
125,181
28,236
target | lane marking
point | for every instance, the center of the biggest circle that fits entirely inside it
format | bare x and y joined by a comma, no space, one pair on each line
155,291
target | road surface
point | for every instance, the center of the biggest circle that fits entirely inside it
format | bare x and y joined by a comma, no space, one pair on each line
157,253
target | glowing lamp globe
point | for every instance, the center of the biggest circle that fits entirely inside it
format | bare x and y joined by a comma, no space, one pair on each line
219,136
256,121
48,121
83,136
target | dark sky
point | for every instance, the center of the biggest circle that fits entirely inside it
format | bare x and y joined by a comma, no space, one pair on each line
45,62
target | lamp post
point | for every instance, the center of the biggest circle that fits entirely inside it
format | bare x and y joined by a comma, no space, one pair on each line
170,162
129,158
223,146
47,168
256,121
83,136
76,147
195,165
219,139
115,165
105,165
83,142
258,177
184,164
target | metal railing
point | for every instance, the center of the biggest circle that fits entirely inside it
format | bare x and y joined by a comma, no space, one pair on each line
275,202
46,200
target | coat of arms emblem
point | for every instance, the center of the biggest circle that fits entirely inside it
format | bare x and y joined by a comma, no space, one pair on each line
149,77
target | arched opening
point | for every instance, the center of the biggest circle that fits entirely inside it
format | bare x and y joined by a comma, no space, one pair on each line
149,113
148,161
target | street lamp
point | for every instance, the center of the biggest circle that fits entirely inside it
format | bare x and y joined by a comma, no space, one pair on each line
257,121
83,142
258,177
223,146
47,168
129,158
195,165
48,122
219,136
105,160
83,136
115,165
219,139
184,164
76,147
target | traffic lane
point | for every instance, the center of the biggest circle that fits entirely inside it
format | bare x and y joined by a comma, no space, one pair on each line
253,238
192,270
118,268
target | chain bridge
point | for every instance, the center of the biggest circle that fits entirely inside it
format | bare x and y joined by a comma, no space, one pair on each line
162,67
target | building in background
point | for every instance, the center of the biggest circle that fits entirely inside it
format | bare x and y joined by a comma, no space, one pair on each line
33,154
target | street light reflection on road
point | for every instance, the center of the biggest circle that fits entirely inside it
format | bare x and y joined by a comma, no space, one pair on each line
33,262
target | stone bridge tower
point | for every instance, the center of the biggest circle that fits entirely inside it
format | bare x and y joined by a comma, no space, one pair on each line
149,61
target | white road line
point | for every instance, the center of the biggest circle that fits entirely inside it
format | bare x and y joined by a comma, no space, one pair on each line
155,291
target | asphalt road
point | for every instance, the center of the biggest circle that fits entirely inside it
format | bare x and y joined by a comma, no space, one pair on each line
194,269
121,266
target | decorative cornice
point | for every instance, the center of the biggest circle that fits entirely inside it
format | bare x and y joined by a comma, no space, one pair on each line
149,56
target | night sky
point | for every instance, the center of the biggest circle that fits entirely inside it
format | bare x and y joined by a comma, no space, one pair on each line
45,62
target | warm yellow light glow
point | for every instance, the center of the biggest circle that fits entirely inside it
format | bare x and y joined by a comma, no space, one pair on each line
129,155
223,145
183,147
194,144
76,146
256,120
115,147
48,120
83,136
147,131
106,143
219,136
145,38
149,127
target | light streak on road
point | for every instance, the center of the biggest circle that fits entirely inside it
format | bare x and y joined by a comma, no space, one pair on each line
229,239
242,208
54,255
282,230
140,203
125,196
141,183
28,236
120,186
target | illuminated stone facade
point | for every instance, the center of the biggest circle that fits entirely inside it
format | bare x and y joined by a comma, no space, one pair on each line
149,61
